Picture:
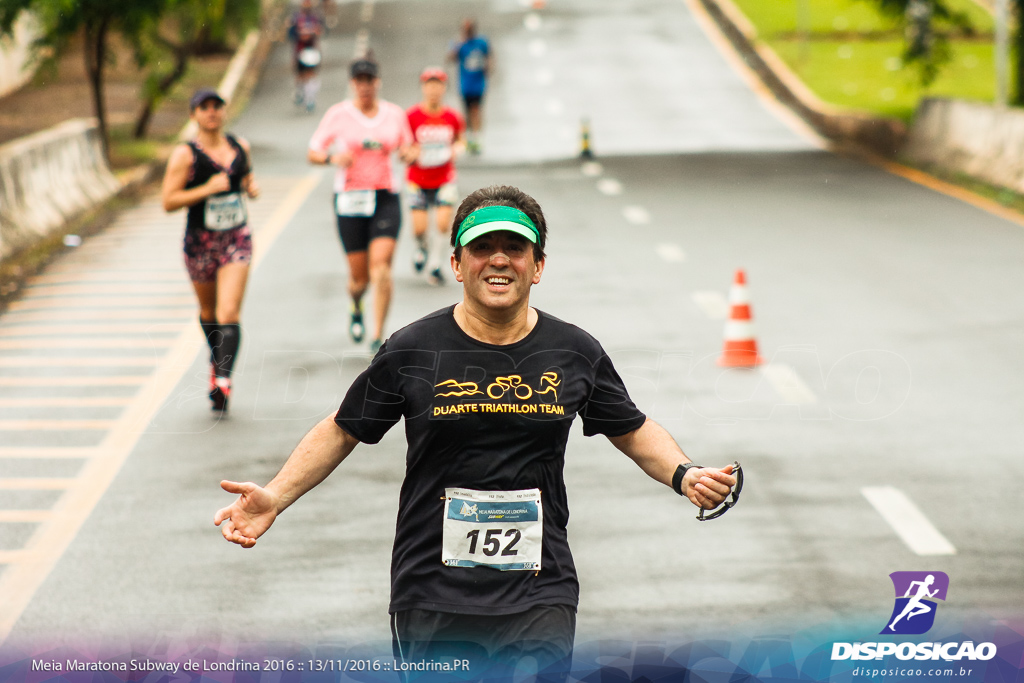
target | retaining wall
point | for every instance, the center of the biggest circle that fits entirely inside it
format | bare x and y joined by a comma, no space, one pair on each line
977,139
48,178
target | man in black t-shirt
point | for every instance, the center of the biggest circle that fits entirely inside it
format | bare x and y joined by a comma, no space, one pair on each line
488,388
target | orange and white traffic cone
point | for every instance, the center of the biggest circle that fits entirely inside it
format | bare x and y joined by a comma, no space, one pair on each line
740,350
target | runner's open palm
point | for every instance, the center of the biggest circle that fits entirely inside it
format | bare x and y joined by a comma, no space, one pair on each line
249,517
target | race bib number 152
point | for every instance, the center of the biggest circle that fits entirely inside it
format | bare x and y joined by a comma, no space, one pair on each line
498,529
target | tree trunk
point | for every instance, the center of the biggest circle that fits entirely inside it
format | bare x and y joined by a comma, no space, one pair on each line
95,61
181,55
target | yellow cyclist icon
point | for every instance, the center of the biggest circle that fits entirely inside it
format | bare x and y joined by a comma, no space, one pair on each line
501,386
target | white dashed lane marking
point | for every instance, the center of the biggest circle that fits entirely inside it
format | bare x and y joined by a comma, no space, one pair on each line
532,21
537,47
591,169
609,186
671,253
788,385
713,304
908,521
637,215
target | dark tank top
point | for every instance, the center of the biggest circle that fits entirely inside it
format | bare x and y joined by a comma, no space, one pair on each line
204,168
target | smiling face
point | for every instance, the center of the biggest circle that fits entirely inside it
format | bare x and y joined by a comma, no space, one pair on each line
497,270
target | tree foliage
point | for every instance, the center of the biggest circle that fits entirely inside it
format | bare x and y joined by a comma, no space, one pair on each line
166,43
96,20
927,25
160,31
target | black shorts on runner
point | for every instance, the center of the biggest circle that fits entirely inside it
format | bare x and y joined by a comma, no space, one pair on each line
356,232
494,645
470,100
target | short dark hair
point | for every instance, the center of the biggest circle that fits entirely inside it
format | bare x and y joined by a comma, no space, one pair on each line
502,195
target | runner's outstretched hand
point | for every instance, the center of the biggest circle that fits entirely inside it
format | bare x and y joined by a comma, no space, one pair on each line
707,487
249,517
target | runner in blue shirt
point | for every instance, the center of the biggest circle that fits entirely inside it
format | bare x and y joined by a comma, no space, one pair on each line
474,57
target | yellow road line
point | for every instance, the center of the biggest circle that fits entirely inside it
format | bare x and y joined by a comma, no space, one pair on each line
68,401
32,453
25,516
58,362
85,343
12,556
53,425
932,183
127,301
21,580
752,80
36,484
111,381
61,329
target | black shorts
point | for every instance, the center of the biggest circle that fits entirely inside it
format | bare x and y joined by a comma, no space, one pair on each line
472,99
493,644
356,232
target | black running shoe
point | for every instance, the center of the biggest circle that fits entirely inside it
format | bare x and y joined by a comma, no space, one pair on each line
356,330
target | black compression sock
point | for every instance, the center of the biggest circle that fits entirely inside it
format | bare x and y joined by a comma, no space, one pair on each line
211,330
225,352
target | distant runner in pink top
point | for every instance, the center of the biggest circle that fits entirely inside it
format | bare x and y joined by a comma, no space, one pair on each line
358,136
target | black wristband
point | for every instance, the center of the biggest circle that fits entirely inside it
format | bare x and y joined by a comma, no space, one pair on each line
677,477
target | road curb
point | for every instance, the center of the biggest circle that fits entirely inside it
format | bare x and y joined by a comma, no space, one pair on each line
845,128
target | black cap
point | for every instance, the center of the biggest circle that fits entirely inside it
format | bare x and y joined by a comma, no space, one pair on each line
203,94
363,67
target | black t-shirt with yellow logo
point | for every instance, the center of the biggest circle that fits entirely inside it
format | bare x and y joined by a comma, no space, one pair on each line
486,418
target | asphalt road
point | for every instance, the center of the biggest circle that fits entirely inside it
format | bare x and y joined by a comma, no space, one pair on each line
893,311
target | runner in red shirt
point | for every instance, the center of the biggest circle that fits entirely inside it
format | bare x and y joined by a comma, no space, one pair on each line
440,133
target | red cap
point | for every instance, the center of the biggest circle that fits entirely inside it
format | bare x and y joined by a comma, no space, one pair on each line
433,73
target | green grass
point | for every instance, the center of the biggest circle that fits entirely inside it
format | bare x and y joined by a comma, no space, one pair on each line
860,16
852,57
870,76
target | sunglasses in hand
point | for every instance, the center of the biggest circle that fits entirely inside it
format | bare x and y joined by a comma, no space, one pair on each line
734,497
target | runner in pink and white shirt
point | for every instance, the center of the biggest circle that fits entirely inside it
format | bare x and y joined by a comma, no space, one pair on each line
358,136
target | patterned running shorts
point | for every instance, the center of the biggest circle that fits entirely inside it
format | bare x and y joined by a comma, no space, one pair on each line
208,250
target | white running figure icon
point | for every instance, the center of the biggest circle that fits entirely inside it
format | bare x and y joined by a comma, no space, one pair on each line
915,607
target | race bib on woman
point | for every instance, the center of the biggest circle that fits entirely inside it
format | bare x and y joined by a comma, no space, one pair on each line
502,530
357,203
224,211
434,154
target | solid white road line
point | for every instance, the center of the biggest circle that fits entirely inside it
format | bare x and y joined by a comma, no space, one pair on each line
908,521
788,384
713,304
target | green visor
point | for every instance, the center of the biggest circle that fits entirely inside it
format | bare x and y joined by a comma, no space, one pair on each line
492,218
